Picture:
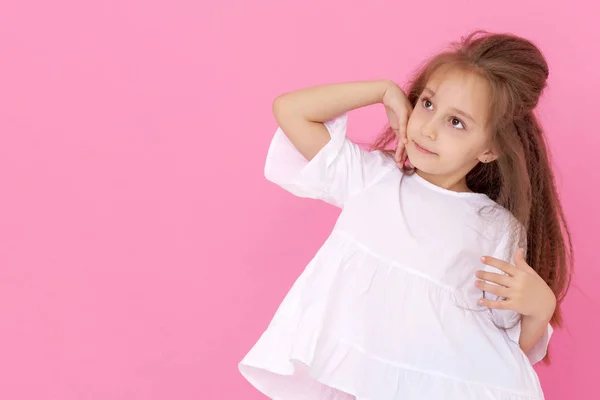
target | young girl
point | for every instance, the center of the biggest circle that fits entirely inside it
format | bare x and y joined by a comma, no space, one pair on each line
414,296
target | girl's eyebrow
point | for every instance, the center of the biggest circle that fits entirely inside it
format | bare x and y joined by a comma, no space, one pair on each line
456,110
463,113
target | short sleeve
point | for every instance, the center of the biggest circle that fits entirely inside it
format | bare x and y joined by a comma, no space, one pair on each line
540,349
510,321
339,171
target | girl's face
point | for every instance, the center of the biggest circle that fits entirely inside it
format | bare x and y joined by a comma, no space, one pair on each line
447,130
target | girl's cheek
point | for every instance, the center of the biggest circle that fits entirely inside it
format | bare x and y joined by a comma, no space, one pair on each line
413,123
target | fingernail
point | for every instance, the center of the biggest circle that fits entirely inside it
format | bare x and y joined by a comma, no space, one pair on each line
483,259
481,301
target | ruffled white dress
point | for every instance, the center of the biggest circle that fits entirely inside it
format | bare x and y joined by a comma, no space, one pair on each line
387,309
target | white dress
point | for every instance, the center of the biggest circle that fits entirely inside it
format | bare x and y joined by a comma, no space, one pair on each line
387,309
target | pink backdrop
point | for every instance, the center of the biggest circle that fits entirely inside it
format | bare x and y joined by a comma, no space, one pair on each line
141,250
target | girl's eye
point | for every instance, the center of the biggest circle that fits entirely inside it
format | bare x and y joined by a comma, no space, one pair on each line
457,123
427,104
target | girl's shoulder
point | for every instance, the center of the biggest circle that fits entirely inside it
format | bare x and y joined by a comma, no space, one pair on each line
508,232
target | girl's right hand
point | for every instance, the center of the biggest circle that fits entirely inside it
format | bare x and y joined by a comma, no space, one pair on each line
398,109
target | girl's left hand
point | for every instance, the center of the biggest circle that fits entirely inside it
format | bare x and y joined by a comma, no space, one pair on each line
523,290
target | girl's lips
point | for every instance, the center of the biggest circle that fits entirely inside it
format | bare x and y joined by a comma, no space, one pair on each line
423,149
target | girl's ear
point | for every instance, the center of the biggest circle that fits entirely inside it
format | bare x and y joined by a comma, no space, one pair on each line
488,156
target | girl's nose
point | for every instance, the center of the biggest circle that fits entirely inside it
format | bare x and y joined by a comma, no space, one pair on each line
430,131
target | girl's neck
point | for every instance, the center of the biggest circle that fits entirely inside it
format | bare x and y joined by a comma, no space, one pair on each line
452,183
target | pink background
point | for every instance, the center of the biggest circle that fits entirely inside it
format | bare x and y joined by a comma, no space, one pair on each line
141,250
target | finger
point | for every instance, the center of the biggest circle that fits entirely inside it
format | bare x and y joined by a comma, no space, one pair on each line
407,113
402,130
402,161
404,157
493,277
402,116
399,153
495,304
501,265
400,150
520,260
498,290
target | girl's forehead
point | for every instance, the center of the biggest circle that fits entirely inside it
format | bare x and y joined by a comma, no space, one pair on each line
452,78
